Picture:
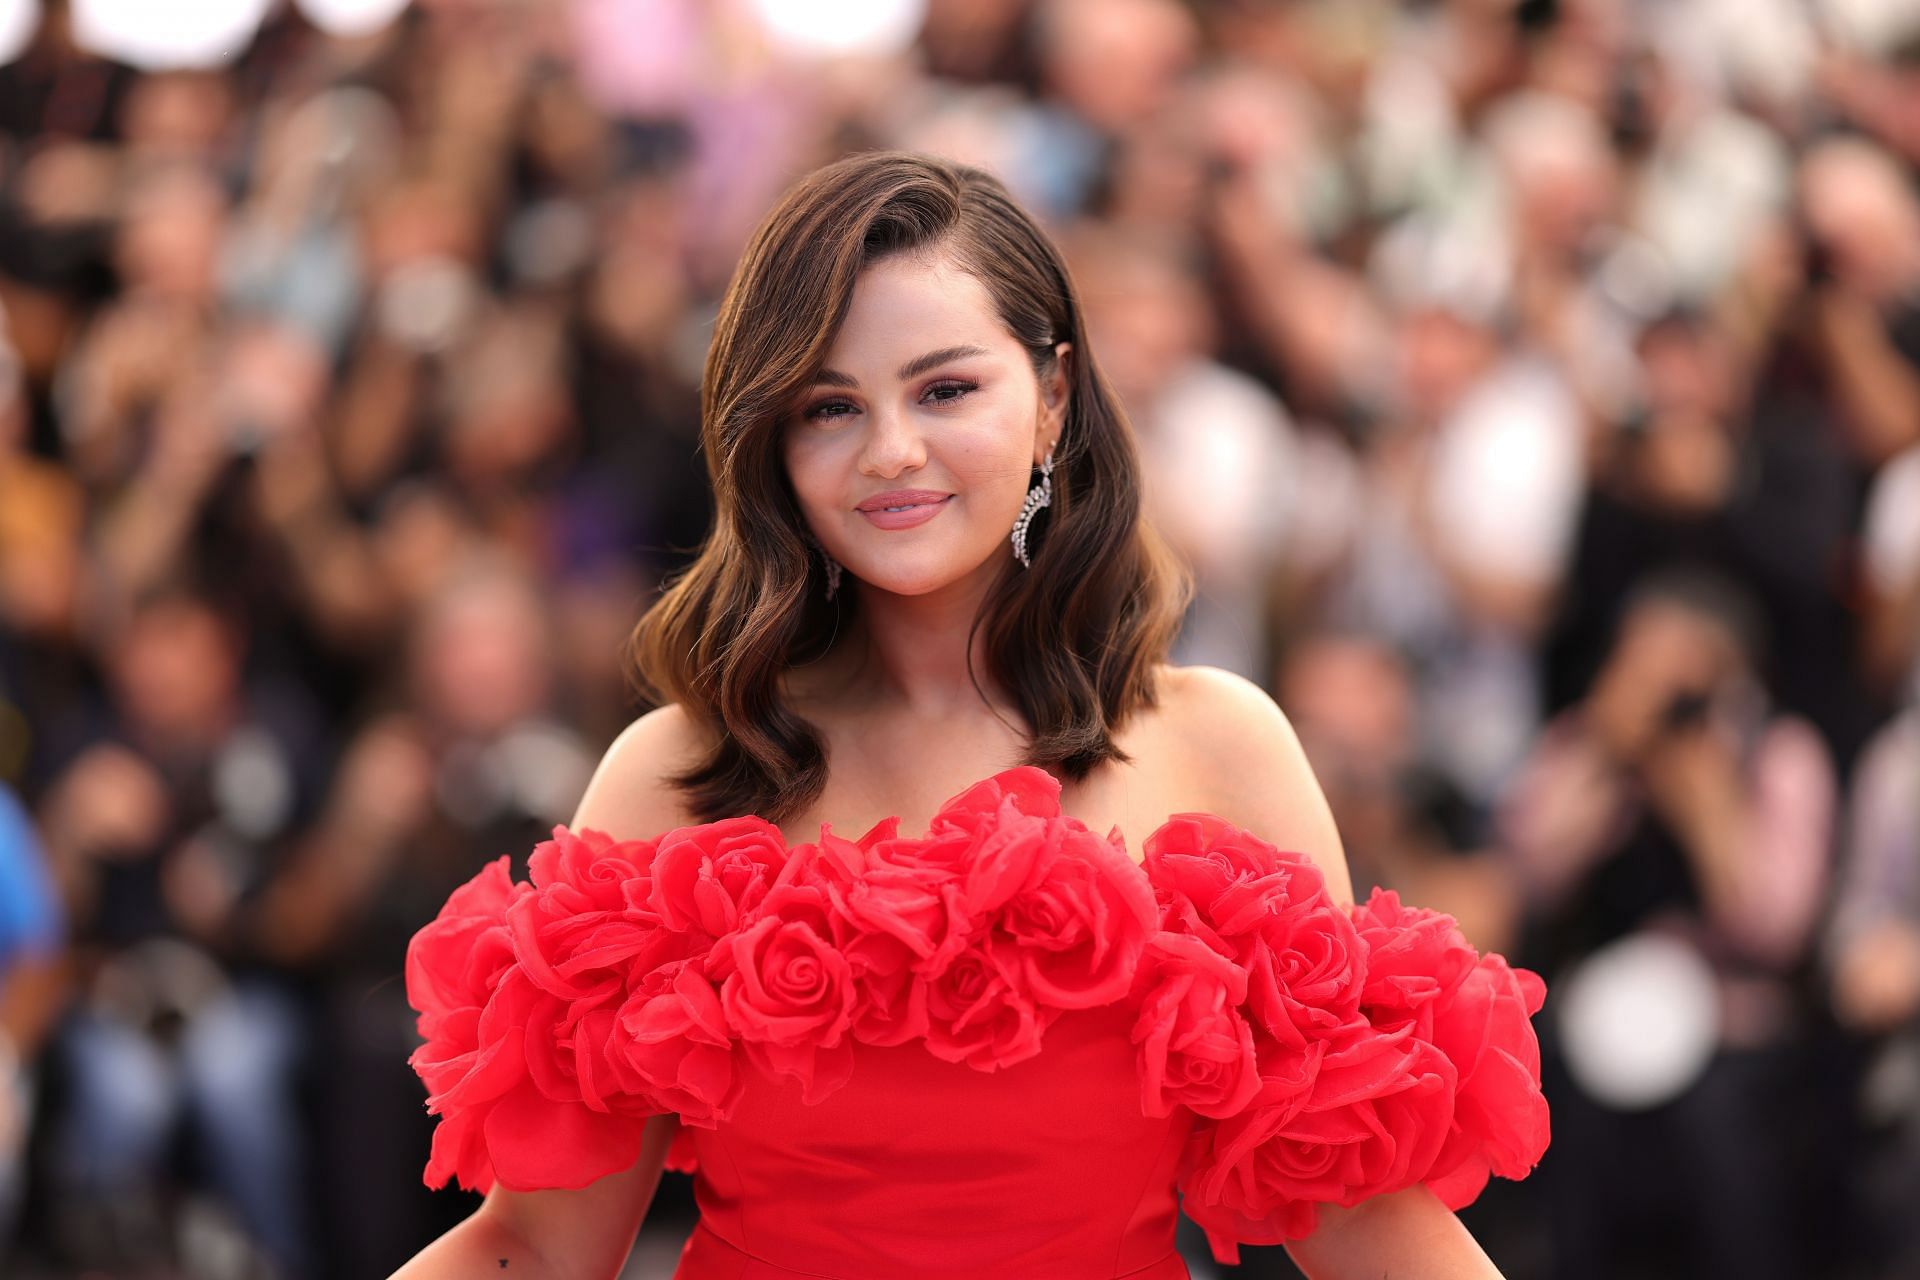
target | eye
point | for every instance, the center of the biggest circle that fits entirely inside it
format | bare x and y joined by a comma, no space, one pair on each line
948,392
829,409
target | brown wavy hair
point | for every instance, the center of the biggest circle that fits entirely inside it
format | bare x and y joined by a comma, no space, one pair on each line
1074,639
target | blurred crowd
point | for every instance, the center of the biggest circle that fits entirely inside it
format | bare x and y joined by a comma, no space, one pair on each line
1534,386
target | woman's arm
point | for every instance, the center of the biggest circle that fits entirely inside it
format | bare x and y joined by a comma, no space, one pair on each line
1406,1234
552,1235
583,1234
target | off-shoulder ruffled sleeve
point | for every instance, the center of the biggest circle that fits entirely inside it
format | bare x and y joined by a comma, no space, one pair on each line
557,1015
1330,1055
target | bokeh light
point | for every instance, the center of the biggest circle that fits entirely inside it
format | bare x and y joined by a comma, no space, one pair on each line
351,17
181,35
19,19
841,27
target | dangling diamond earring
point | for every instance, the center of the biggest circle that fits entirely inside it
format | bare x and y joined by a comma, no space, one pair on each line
1038,497
833,566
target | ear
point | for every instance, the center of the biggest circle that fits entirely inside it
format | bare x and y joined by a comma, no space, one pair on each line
1055,396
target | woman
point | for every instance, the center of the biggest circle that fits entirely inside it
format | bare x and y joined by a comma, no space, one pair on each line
928,565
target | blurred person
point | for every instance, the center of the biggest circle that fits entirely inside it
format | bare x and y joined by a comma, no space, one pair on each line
1274,208
1875,82
1675,811
155,333
168,818
1739,452
60,180
1666,488
458,758
1235,486
1862,219
1104,69
184,114
1407,826
170,231
1872,943
1558,185
508,431
1873,958
1740,467
1470,487
43,573
1890,555
635,379
294,253
970,41
32,984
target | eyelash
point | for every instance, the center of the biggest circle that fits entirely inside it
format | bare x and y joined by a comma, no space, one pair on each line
963,389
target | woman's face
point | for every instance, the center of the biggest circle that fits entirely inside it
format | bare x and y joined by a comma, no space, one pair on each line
928,404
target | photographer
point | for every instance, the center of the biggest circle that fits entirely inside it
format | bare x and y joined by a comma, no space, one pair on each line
1672,833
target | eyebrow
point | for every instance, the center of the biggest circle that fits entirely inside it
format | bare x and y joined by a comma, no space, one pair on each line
912,368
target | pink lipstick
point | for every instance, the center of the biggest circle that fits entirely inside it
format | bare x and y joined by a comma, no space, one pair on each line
903,508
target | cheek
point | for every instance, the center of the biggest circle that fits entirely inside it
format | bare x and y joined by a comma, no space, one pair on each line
992,462
812,469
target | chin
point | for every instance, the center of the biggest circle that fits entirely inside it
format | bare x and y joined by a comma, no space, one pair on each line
910,579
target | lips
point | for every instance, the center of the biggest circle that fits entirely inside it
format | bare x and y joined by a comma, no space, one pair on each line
903,508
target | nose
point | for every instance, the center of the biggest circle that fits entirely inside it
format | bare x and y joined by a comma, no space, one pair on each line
893,445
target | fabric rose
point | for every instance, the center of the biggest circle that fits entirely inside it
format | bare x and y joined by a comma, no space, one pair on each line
1009,858
894,924
1305,961
906,891
977,1012
1195,1048
677,1046
520,988
1193,858
1372,1122
454,965
708,877
588,870
1024,789
455,962
999,836
881,919
1415,959
787,991
1080,919
1270,913
551,1128
586,928
1477,1011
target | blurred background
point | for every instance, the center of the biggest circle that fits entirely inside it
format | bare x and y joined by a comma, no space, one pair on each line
1534,386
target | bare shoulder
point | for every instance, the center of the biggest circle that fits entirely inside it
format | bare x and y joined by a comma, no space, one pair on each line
1220,719
630,796
1248,766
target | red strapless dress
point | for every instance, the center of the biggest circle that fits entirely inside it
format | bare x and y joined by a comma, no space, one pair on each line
1003,1048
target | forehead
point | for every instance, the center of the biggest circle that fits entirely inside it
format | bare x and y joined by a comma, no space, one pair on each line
906,303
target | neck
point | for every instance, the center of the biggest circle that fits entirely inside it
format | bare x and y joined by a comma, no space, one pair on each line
912,652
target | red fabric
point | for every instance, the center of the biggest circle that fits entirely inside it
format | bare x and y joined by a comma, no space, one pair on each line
998,1048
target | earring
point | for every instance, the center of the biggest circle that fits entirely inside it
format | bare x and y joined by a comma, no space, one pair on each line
833,566
1038,497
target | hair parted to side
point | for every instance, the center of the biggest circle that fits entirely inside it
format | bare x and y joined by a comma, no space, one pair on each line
1074,639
